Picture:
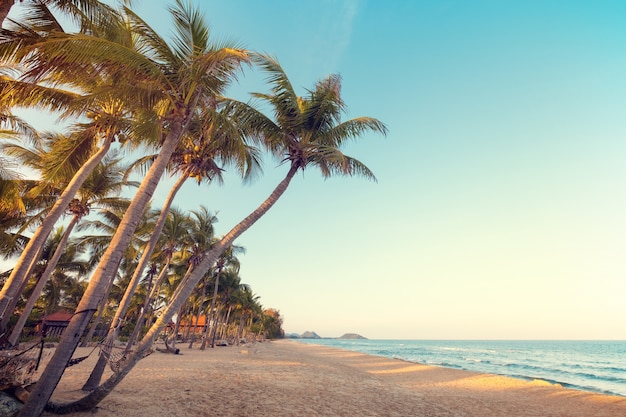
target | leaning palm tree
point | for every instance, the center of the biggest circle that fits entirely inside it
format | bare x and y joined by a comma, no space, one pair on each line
68,84
171,81
306,131
100,190
213,141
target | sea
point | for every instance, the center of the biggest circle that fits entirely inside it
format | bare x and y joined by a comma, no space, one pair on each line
597,366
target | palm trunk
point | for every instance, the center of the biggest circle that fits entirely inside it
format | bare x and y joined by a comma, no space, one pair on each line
214,302
240,329
116,323
217,323
101,309
186,288
177,326
144,311
145,257
105,272
39,396
205,332
8,293
195,326
224,333
52,263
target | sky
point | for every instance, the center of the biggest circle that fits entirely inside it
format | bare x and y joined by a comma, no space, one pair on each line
500,206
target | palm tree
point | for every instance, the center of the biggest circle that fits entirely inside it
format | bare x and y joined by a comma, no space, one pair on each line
64,285
105,181
228,259
305,132
173,80
90,8
244,301
56,157
211,142
50,81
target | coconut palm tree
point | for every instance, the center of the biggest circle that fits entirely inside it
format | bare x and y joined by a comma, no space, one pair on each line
100,190
305,131
243,300
76,88
56,158
212,142
171,81
228,259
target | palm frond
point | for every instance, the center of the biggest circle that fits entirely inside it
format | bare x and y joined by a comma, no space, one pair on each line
351,129
192,33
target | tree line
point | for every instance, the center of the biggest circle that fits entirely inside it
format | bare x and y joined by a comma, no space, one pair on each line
123,89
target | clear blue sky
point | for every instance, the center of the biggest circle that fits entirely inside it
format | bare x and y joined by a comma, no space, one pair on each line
500,207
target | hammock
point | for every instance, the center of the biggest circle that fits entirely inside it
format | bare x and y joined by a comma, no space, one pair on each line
18,369
114,355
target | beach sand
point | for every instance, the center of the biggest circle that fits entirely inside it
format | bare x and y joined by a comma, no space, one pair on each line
287,378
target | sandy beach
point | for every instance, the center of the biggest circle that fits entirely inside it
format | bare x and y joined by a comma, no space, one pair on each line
287,378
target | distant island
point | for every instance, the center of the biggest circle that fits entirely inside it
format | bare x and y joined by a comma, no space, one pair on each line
313,335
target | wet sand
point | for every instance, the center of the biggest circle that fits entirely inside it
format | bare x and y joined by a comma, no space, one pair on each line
287,378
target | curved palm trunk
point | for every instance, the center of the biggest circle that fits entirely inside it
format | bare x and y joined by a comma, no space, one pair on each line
213,303
105,272
92,399
186,288
145,257
50,267
195,326
101,309
8,294
144,310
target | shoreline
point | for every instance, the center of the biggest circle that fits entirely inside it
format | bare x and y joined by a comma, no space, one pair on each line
594,384
288,378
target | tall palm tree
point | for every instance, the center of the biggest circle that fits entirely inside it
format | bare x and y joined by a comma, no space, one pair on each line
100,190
305,131
76,88
173,80
55,157
213,141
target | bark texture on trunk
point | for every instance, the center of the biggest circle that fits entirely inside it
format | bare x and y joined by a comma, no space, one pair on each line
186,287
8,295
38,399
52,264
105,272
